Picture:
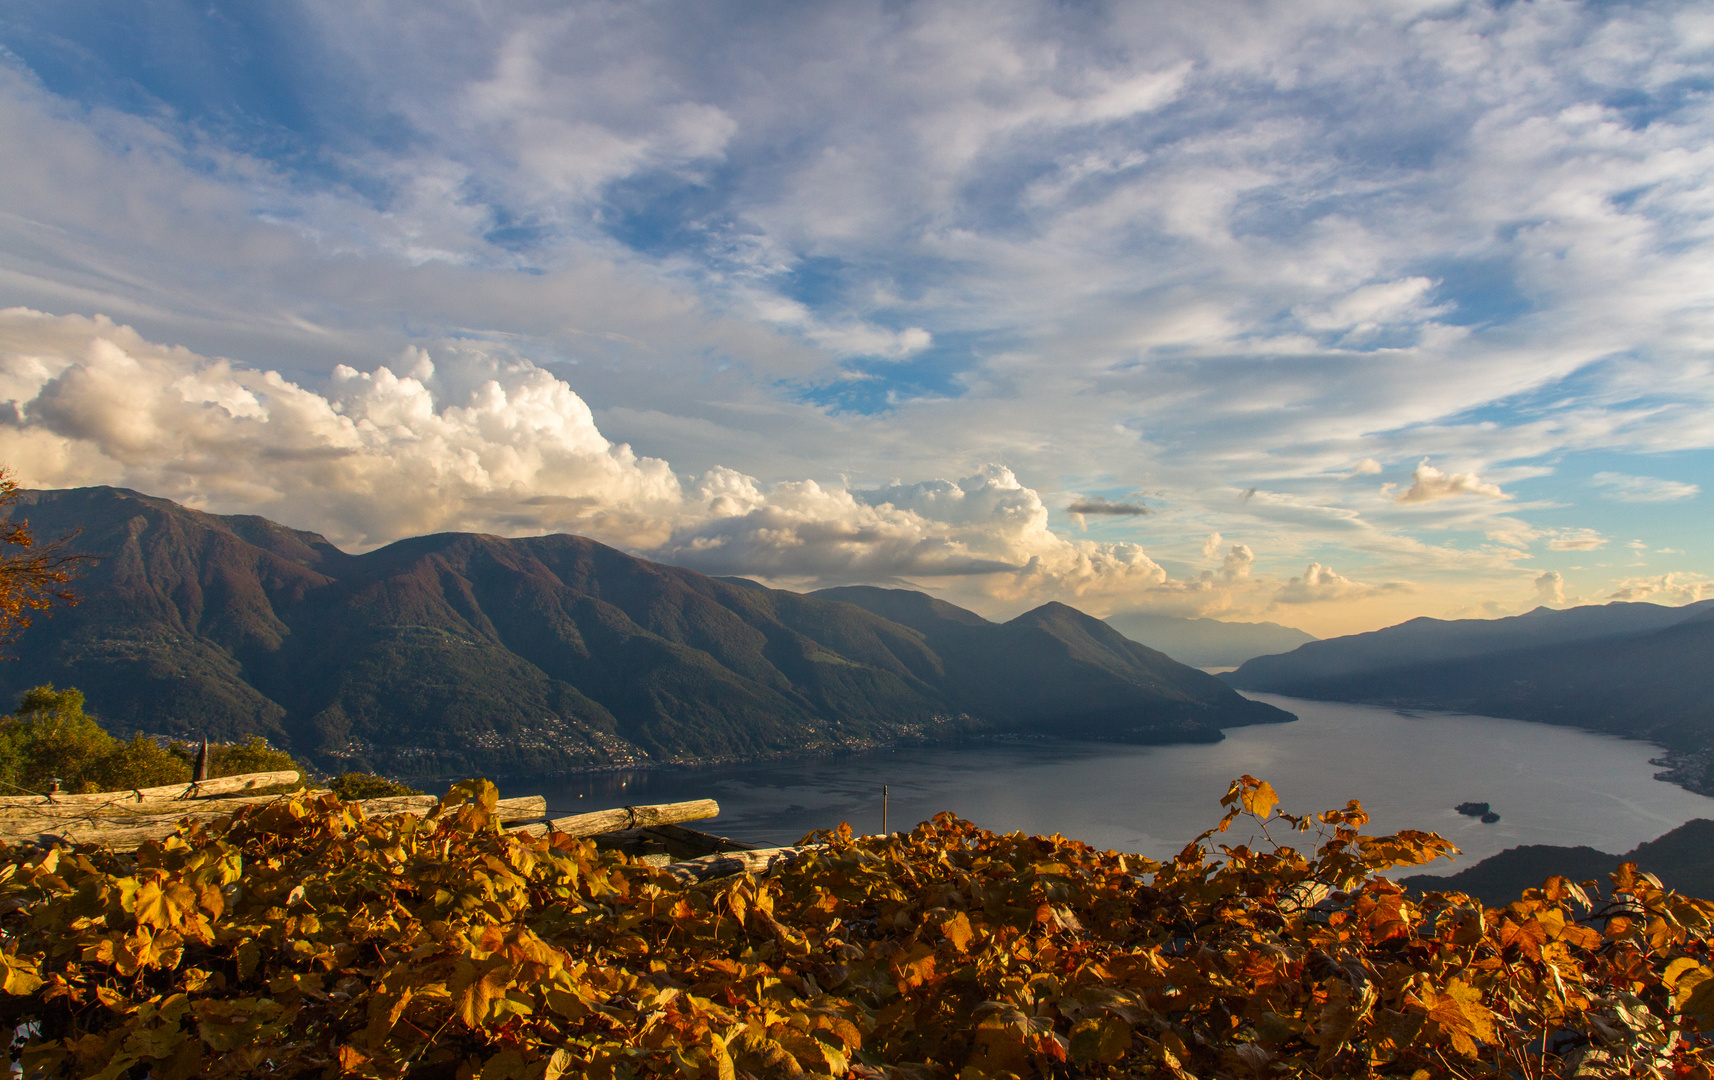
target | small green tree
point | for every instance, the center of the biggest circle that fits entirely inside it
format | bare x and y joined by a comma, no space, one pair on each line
50,737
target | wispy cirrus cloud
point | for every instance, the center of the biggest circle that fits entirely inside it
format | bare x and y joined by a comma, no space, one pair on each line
1627,488
1576,540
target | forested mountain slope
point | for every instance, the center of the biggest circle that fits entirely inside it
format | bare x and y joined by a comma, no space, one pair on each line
1055,664
461,653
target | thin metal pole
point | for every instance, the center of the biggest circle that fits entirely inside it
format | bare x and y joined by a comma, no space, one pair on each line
883,810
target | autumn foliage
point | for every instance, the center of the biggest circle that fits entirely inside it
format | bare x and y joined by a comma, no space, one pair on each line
33,577
299,939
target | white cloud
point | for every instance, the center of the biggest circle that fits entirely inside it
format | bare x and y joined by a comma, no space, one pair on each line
1576,540
486,441
1665,588
1321,584
1369,307
1627,488
1429,484
1211,545
1550,589
1237,563
482,442
1367,467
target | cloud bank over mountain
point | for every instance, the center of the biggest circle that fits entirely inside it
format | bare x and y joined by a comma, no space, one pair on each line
1423,293
493,444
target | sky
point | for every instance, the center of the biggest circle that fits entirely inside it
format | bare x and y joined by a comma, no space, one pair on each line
1325,314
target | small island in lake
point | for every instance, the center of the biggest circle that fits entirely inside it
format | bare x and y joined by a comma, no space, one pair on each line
1477,810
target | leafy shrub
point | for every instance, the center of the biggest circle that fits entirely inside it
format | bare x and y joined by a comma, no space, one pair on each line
50,737
352,786
299,939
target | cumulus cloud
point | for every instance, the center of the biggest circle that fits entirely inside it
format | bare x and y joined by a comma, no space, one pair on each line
986,524
1576,540
1367,467
1429,484
488,441
1550,589
1322,584
1211,545
1674,588
1237,563
1627,488
481,442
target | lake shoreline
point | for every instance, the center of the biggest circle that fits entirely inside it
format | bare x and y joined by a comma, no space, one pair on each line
1550,784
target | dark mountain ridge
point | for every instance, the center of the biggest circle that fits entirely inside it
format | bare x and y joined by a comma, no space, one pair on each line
463,653
1636,670
1682,859
1423,640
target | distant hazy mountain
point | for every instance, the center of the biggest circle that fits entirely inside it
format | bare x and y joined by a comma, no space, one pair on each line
1422,641
1638,670
1207,642
1683,859
461,653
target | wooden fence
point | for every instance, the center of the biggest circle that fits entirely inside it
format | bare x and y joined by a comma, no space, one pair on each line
125,819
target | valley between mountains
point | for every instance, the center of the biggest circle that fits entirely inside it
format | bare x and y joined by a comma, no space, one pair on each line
464,654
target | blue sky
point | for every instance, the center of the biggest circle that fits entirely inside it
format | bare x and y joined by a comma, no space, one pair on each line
1325,314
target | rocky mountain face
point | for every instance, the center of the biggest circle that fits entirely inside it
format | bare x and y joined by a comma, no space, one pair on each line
458,653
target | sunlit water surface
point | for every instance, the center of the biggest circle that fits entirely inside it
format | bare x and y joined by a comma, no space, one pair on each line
1550,785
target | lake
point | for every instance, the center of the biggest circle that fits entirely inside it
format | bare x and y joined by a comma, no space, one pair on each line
1550,785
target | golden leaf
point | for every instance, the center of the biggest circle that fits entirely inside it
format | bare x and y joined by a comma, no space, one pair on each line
957,930
1261,800
19,976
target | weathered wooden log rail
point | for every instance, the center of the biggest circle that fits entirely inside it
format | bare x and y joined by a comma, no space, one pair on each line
126,819
626,817
222,785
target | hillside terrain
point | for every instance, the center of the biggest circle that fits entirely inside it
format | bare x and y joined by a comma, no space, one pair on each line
1636,670
464,654
1683,859
1207,642
1424,641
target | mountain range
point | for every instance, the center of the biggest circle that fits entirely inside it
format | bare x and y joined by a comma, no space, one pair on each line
1631,669
461,654
1207,642
1682,859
